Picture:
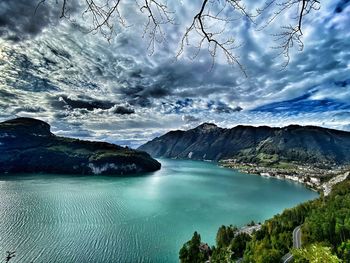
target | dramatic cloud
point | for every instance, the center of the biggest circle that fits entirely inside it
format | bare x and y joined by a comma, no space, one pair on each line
21,19
82,102
122,110
51,69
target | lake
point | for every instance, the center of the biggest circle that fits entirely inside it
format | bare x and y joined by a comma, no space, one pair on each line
49,218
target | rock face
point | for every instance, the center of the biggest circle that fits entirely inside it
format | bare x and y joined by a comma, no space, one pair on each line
303,144
28,146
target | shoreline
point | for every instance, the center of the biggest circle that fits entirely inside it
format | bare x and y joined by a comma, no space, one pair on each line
314,178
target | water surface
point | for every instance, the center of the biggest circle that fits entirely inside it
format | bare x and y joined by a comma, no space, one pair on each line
48,218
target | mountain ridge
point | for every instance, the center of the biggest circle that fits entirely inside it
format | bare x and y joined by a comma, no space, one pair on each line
292,143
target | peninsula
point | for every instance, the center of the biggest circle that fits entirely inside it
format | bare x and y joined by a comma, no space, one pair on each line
28,146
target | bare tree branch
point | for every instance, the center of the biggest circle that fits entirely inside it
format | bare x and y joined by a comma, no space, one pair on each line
38,5
158,15
63,8
10,255
290,35
211,26
212,38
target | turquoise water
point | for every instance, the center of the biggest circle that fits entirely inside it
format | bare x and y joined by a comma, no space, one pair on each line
147,218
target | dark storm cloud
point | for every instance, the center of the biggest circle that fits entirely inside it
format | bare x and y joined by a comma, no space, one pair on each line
122,110
221,107
22,19
341,6
82,102
144,95
60,52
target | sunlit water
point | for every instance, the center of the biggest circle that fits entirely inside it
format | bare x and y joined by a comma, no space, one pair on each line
47,218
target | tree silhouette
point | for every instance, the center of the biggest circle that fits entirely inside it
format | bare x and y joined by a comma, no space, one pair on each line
9,255
208,25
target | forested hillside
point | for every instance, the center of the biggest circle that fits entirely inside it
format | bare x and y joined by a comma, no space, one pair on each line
325,227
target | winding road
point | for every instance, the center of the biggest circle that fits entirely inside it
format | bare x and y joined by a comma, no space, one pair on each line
297,237
296,244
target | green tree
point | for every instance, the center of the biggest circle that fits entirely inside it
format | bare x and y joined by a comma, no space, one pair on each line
344,251
238,244
261,252
315,253
225,235
190,252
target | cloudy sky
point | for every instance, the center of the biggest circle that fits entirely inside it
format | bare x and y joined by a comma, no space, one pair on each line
122,92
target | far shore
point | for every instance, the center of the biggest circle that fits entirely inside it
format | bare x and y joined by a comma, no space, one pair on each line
315,178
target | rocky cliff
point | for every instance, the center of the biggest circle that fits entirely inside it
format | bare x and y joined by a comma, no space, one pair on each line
28,146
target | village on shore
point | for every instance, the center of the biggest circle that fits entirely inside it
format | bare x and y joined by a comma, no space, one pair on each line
316,178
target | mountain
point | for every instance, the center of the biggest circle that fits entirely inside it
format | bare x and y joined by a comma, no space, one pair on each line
28,146
294,143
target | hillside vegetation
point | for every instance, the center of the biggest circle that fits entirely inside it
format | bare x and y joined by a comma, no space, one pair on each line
325,227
